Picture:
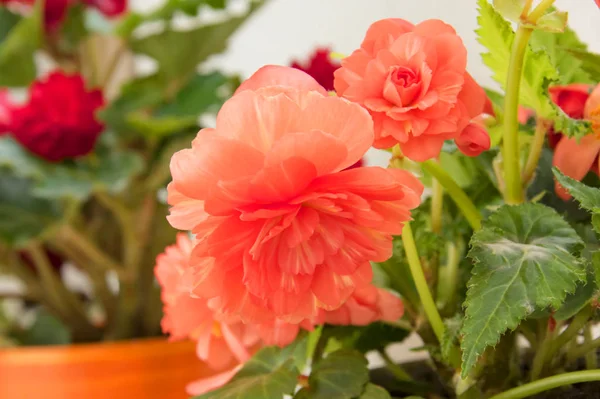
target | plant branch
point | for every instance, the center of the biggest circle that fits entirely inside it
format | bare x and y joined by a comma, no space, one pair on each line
539,361
437,206
513,193
578,322
583,349
535,151
421,283
539,11
398,371
548,383
591,360
462,200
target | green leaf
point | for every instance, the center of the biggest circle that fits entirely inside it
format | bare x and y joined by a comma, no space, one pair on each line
558,46
202,94
46,330
160,127
373,391
590,62
451,333
497,36
8,20
270,373
178,53
17,66
341,375
555,22
375,336
524,261
578,300
596,267
588,197
73,29
22,216
510,9
166,12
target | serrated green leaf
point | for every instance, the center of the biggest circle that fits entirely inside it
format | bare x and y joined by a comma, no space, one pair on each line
270,373
341,375
555,22
22,216
578,300
451,333
17,66
375,336
596,267
588,197
590,62
524,261
558,46
496,34
178,53
510,9
373,391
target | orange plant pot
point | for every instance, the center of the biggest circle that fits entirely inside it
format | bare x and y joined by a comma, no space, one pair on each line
144,369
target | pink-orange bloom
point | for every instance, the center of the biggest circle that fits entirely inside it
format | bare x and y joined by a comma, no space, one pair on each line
413,81
474,139
575,159
223,346
282,229
367,305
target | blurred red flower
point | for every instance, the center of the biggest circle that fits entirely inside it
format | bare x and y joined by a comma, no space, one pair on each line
320,66
55,11
59,120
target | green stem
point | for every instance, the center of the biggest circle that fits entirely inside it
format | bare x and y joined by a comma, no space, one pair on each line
535,151
590,355
422,288
546,384
437,206
578,322
539,361
78,240
513,193
540,10
588,347
461,199
398,371
449,276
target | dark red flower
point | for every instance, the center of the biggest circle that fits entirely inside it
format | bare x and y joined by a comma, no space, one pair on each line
571,99
320,66
5,110
110,8
59,120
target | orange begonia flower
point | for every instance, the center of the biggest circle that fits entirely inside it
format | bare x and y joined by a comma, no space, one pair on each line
283,231
413,81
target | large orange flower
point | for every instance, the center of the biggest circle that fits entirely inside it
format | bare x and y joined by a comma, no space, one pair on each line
282,229
223,346
413,81
576,158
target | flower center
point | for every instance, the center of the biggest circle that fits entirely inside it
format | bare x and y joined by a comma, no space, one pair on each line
216,329
404,77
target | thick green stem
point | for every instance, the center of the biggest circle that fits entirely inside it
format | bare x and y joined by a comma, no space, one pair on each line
591,358
540,10
539,361
546,384
395,369
449,276
535,151
461,199
437,206
578,322
421,283
513,193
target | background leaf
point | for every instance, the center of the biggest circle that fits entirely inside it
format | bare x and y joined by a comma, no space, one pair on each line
17,66
45,330
588,197
373,391
341,375
8,20
523,261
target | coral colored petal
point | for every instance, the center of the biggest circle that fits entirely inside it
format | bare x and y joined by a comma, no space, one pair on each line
208,384
278,333
472,96
347,122
219,354
593,102
390,306
260,120
330,289
324,151
433,27
185,213
422,148
235,344
275,75
575,159
381,33
279,183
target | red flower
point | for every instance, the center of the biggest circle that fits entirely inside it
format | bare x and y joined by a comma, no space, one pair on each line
320,67
5,110
59,121
571,99
110,8
55,11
